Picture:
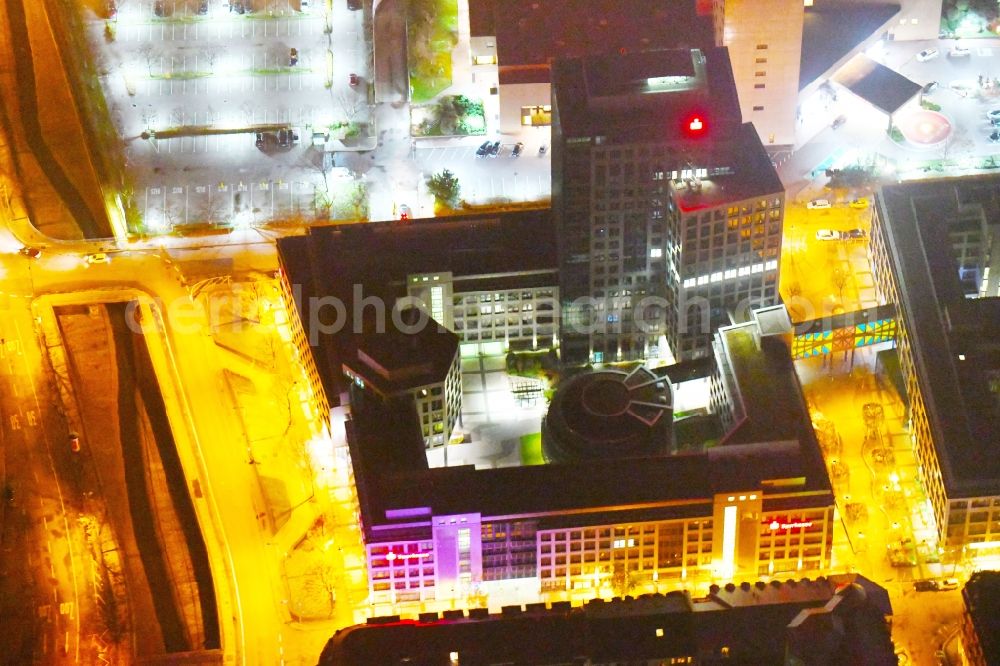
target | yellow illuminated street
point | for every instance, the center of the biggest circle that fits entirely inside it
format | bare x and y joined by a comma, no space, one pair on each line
824,277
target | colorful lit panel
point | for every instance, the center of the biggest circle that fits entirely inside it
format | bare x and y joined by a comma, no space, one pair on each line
844,339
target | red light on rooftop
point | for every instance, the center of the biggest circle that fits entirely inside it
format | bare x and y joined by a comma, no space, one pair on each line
696,126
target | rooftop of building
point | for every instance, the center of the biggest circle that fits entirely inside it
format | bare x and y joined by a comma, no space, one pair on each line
401,353
752,176
884,88
840,619
953,338
831,30
535,33
373,260
635,487
982,602
766,381
609,413
647,96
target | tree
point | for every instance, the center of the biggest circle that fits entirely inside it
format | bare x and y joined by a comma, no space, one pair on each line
445,188
622,581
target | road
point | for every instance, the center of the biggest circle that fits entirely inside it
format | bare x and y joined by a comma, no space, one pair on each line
53,597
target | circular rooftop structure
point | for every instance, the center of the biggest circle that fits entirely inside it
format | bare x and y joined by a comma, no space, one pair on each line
609,414
924,128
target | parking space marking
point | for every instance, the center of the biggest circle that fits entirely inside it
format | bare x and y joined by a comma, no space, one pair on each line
167,206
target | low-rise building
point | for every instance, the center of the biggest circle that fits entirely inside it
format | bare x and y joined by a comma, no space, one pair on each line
834,620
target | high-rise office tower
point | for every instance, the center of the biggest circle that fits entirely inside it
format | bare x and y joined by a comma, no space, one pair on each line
668,211
764,38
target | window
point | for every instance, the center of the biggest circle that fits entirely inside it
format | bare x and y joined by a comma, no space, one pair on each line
762,47
536,115
758,86
758,108
760,73
761,61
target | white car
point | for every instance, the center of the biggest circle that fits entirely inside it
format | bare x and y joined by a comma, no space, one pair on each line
993,114
948,584
959,52
828,234
819,203
927,54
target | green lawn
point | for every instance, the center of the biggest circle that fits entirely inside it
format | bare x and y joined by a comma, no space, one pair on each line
531,449
431,32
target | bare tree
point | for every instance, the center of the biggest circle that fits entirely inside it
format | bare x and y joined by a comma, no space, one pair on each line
211,55
351,104
839,279
148,53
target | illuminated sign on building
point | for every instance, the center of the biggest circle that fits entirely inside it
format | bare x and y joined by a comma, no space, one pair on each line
405,556
776,525
696,125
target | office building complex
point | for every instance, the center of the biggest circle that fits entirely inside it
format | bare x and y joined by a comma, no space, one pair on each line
835,620
744,500
667,207
931,258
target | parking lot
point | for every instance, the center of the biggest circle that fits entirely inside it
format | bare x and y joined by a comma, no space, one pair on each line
207,83
245,203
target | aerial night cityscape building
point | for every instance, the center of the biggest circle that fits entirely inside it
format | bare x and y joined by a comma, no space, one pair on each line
532,332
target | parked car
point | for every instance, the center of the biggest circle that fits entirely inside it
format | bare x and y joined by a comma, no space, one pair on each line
30,252
948,584
929,87
859,203
158,8
993,114
293,136
518,147
494,149
839,122
484,148
404,212
237,6
97,258
925,586
994,136
959,52
928,54
827,234
284,140
203,7
259,140
354,80
855,234
542,149
293,57
819,203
